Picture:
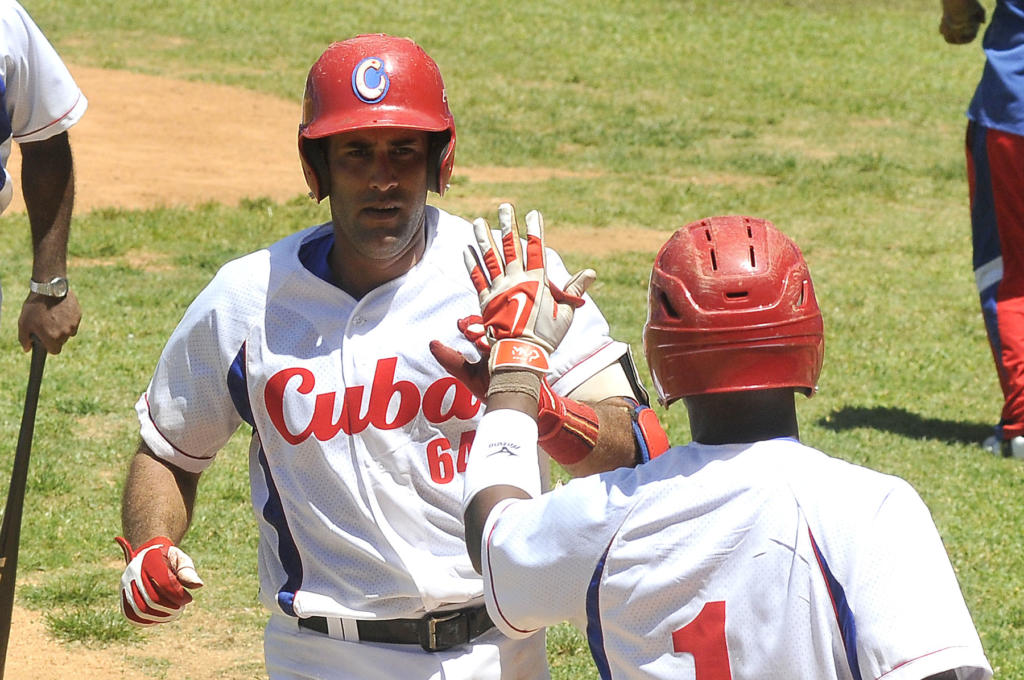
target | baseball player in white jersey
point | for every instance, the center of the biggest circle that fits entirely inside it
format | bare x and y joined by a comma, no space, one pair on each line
744,554
39,101
319,344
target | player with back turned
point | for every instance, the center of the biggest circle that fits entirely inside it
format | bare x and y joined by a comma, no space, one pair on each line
319,344
744,554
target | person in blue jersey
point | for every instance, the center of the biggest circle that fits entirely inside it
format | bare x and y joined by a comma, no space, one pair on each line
39,101
995,172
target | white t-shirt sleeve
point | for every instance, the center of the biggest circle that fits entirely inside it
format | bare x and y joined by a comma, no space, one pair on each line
911,617
540,555
41,97
188,413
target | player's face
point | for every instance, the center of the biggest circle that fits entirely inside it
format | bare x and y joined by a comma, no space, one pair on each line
379,192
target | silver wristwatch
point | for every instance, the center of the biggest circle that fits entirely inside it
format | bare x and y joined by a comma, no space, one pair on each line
57,287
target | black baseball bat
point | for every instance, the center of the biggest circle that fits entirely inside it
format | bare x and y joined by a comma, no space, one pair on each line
10,532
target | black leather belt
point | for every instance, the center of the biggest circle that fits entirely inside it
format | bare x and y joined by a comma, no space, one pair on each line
434,632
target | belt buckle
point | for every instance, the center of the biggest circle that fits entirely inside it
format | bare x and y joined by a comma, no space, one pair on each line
434,640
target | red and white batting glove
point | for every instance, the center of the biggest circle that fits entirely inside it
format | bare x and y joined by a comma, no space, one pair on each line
153,584
524,315
472,328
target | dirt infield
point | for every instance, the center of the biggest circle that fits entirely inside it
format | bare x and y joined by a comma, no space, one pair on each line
146,142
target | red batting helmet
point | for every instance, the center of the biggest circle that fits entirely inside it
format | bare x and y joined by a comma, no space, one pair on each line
731,307
375,81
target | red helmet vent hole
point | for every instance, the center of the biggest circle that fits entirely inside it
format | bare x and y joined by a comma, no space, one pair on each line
736,295
753,259
714,261
666,305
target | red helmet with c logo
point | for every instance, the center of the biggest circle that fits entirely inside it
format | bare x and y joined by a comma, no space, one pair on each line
375,81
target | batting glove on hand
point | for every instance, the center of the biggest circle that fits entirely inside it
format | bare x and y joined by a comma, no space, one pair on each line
961,20
153,584
524,315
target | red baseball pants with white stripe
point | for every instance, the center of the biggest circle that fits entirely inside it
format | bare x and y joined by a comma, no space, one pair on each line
995,173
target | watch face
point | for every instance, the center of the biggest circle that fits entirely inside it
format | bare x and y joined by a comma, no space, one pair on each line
56,287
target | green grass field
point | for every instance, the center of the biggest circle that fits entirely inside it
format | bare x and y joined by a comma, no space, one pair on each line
842,122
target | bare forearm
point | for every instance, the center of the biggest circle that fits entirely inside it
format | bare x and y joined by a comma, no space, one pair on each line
960,7
48,185
615,445
157,500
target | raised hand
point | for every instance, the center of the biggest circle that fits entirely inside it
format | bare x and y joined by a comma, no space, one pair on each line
523,314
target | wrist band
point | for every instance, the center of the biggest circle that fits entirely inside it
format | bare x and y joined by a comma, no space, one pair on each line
523,382
504,453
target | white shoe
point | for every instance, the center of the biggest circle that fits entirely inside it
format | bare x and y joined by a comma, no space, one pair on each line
997,447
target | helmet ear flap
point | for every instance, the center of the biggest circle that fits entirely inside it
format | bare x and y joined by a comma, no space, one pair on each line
313,153
440,159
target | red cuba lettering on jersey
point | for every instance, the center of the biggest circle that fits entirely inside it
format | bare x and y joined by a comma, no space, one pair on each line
442,400
322,425
463,404
273,395
383,392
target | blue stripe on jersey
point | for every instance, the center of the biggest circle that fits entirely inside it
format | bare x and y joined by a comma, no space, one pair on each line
5,125
315,256
5,120
287,551
984,231
595,635
238,389
844,615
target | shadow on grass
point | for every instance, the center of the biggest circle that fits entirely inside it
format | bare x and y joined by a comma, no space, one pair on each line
904,423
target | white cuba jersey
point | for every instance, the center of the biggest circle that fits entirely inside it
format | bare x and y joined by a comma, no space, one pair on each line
766,560
360,437
38,97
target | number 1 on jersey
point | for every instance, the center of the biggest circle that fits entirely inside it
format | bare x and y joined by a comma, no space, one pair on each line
704,638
